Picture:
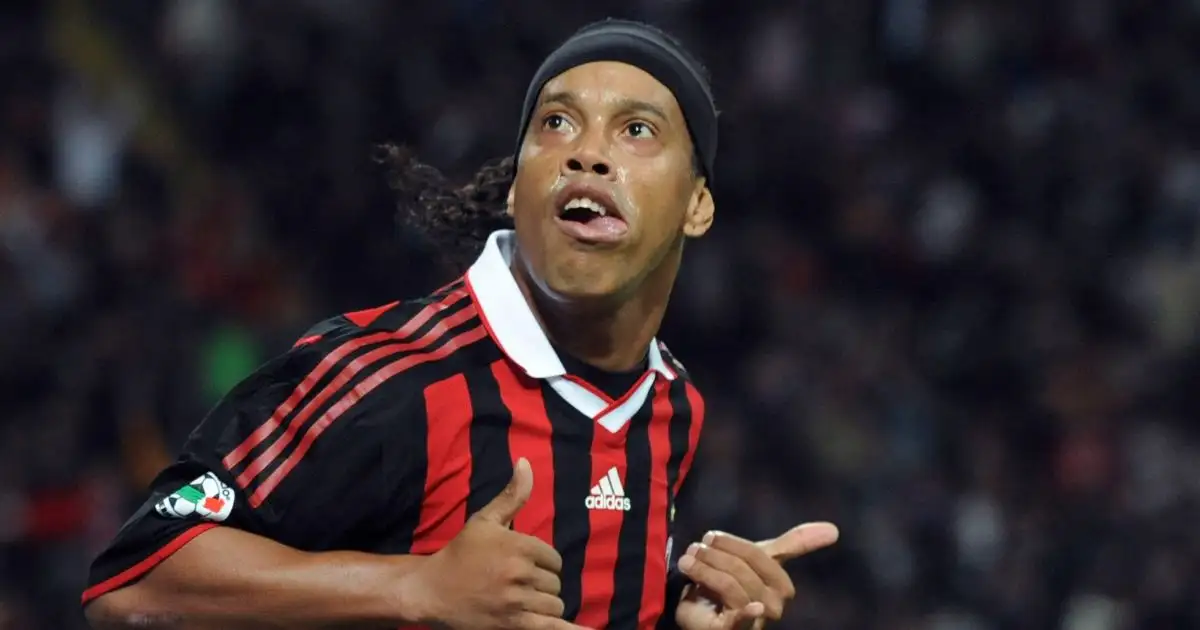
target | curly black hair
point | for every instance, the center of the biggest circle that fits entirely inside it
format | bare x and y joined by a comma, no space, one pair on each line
455,219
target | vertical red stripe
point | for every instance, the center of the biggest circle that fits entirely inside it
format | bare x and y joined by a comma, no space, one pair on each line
697,405
448,447
350,399
654,584
600,557
529,437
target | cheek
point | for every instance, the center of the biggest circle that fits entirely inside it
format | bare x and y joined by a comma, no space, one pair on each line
530,187
660,206
531,151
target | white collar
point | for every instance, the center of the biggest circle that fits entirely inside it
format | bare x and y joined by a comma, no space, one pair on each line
510,320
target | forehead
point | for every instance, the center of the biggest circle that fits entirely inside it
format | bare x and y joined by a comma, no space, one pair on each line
612,82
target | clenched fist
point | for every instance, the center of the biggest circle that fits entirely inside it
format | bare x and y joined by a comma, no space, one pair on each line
490,576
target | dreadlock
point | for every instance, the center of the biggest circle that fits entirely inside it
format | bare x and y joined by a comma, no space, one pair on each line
455,219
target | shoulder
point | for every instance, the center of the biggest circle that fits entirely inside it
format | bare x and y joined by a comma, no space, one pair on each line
366,347
403,326
351,372
448,307
395,348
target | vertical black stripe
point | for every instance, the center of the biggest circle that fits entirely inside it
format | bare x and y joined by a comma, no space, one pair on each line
571,444
630,572
681,427
491,460
405,469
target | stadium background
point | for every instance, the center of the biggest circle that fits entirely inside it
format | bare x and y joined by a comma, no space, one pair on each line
951,301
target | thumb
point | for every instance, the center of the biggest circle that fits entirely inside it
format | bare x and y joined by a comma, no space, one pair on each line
505,506
801,540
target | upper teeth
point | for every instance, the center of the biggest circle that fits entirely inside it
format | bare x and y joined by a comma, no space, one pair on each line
587,204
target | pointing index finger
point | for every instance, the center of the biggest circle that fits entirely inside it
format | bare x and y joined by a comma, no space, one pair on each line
800,540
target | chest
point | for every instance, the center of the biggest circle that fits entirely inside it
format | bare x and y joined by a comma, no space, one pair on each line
602,468
603,493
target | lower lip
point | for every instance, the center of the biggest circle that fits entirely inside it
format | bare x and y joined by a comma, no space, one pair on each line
598,230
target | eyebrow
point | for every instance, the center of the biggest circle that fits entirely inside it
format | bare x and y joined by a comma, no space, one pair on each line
561,98
624,106
635,106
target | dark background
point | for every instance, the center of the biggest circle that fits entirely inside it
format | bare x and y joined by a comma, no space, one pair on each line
950,301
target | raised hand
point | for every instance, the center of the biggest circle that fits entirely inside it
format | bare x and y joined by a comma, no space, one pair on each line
490,576
739,584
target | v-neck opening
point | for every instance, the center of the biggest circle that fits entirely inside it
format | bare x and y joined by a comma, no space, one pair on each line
608,385
626,406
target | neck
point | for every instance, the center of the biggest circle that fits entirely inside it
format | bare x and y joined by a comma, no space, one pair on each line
612,335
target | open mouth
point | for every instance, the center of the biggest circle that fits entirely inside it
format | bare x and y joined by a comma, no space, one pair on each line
585,210
591,216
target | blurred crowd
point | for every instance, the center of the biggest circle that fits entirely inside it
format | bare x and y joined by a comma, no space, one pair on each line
951,302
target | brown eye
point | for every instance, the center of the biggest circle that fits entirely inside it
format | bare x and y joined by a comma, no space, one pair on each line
639,130
554,122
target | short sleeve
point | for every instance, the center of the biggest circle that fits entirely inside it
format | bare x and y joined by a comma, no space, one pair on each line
293,453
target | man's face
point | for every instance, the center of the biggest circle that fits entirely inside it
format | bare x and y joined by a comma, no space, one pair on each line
605,190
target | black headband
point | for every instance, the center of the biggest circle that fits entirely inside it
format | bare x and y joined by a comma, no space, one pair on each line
651,50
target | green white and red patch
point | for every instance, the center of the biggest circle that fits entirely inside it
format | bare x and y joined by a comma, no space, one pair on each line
206,497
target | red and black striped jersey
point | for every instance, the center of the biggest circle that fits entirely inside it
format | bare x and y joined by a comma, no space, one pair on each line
383,430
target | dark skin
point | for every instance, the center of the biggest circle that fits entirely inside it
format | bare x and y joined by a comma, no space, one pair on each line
488,576
615,127
618,128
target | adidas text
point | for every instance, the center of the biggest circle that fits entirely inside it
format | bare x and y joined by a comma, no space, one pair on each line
609,493
608,503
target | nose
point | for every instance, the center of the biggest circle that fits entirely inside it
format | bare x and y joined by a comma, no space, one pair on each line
581,164
588,159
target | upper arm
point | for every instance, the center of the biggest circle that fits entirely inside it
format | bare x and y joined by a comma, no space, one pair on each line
299,452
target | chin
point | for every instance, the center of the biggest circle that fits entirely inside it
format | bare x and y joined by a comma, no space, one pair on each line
580,285
574,272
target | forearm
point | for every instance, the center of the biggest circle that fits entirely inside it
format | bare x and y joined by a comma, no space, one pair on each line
231,580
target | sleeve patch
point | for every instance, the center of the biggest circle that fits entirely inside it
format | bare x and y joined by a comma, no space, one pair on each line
206,497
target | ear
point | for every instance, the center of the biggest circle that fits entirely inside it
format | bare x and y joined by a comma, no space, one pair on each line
512,195
700,211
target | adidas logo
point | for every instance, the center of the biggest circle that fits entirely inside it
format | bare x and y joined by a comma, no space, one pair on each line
609,494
